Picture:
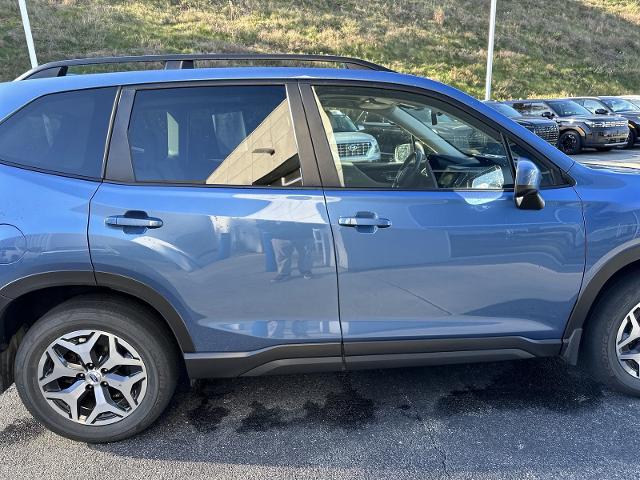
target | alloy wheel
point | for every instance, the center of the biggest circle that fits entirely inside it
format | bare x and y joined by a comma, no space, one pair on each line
92,377
569,143
628,343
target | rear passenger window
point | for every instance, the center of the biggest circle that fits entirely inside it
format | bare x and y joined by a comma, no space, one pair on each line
227,135
61,132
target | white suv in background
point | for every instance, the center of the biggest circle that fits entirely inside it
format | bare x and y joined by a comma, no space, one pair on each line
353,145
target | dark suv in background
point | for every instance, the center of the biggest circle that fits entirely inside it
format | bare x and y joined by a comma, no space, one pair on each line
579,128
543,127
615,106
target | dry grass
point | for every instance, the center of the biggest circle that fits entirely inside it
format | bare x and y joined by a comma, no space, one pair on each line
542,48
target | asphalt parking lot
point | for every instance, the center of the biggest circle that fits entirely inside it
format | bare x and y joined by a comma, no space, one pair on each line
516,420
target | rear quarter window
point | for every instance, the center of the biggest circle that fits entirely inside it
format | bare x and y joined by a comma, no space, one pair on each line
61,133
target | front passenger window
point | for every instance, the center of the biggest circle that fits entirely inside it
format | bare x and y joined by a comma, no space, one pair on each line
386,139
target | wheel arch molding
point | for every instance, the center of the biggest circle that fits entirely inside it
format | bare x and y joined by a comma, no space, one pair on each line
109,281
623,263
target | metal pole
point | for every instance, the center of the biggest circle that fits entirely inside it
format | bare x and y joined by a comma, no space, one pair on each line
27,33
492,34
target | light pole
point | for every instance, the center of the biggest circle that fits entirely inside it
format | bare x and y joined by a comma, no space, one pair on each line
27,33
492,34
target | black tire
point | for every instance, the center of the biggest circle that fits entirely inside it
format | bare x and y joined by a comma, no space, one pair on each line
570,142
601,335
632,139
604,149
129,321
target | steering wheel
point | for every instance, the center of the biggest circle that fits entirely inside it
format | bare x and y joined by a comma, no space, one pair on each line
409,175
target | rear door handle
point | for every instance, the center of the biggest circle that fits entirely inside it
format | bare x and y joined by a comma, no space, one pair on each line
129,221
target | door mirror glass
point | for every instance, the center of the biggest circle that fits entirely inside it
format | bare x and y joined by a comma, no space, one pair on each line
527,186
601,111
548,114
401,152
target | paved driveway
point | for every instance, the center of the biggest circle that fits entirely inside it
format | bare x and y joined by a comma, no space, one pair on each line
528,419
516,420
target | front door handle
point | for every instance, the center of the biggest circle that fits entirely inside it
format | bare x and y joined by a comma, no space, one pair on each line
133,221
365,222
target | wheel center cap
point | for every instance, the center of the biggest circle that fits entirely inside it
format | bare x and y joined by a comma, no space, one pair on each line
94,377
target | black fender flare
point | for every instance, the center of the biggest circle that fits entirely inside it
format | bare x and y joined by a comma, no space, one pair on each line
113,281
574,128
588,295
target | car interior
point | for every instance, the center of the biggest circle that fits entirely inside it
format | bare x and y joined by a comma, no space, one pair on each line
422,147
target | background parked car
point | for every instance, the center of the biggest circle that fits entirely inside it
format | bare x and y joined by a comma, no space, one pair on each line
543,127
615,106
579,128
635,99
353,145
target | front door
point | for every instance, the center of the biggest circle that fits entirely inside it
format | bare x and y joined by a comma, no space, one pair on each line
429,242
222,216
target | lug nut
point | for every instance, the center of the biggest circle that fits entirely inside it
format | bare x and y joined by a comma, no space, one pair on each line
89,365
81,375
89,387
104,370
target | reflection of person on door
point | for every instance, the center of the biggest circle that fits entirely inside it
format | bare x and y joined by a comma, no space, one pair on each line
284,248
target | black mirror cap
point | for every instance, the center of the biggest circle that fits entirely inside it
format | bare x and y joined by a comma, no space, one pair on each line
526,192
601,111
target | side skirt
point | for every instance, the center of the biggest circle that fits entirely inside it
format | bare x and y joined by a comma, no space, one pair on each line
323,357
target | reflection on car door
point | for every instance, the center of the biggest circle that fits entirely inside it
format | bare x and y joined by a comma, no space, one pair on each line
458,260
219,218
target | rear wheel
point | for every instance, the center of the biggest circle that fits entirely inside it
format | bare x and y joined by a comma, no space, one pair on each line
570,142
96,369
612,342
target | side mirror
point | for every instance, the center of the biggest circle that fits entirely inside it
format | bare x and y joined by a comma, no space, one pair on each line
601,111
527,188
548,115
361,127
401,152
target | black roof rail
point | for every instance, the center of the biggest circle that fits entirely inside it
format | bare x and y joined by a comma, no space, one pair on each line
177,61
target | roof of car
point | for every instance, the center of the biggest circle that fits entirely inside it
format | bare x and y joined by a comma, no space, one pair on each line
17,93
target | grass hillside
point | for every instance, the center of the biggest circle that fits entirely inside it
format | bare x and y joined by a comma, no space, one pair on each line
543,47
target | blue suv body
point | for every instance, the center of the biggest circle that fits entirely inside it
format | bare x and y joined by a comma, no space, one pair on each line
208,218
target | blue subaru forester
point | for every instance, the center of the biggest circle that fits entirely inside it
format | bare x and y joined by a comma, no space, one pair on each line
212,220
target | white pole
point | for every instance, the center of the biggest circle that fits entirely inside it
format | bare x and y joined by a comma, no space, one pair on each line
27,33
492,34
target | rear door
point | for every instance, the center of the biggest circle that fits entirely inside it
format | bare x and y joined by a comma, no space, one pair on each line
436,249
212,199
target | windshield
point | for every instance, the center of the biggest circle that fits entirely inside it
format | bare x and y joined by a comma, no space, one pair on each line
621,105
506,110
341,123
568,108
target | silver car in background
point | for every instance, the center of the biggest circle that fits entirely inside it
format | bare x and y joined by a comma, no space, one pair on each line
353,145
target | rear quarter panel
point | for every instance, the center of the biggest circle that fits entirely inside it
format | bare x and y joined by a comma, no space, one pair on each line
50,215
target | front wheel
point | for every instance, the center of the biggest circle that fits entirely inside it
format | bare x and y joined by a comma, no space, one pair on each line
612,342
631,139
96,369
570,142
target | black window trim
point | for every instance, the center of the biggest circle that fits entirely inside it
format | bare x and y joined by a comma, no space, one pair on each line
57,172
326,165
119,166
